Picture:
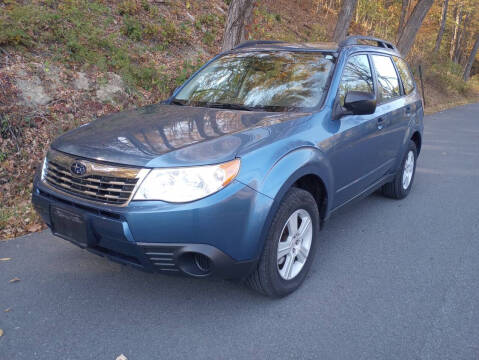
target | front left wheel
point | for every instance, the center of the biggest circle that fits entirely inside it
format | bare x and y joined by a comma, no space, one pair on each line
290,246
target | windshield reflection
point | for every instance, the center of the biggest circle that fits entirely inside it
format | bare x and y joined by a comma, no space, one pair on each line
277,80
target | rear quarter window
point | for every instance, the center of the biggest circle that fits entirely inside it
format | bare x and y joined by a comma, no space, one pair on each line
405,74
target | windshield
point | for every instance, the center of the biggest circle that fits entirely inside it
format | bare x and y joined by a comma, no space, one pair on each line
274,81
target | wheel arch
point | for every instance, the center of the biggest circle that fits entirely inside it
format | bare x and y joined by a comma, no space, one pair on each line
416,138
312,172
313,184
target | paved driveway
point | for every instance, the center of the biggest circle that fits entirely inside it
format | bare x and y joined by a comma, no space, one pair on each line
393,280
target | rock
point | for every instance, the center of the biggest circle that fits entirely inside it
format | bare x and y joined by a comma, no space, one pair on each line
81,82
112,91
32,92
52,76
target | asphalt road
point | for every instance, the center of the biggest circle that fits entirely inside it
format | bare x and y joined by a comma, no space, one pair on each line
392,280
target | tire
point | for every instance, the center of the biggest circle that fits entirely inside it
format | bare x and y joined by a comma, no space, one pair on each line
273,276
397,189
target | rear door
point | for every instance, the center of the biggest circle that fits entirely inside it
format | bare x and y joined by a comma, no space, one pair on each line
412,103
392,109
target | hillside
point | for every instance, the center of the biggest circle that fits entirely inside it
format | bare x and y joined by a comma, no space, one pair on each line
62,63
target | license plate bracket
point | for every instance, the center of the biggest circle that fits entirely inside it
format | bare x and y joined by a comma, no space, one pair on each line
69,225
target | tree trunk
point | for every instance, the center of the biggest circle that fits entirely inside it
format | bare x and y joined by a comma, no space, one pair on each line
402,19
344,19
472,57
441,27
239,16
462,35
408,34
457,23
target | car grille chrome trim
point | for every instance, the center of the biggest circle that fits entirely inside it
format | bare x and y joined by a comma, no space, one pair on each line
102,183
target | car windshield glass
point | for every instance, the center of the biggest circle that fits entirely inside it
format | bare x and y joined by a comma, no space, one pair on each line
276,81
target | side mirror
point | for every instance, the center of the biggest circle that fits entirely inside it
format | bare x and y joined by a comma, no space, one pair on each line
360,102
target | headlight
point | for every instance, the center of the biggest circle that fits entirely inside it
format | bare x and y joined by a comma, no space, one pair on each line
185,184
44,169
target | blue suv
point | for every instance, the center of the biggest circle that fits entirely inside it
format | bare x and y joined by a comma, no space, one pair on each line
234,175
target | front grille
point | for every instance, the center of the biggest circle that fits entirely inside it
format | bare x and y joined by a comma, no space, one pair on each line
96,185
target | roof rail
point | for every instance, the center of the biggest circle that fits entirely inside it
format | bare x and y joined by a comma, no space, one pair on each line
250,43
354,40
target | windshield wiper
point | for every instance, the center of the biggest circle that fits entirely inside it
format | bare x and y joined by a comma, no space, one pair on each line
232,106
178,102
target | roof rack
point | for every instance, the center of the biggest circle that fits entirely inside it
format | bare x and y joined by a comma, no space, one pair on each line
250,43
354,40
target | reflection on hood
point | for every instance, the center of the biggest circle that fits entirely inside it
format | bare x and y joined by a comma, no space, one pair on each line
140,135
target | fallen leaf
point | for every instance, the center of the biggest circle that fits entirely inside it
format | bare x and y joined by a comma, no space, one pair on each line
122,357
5,259
1,334
34,227
15,279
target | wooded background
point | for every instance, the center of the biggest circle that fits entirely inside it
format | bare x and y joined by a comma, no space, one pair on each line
63,63
458,23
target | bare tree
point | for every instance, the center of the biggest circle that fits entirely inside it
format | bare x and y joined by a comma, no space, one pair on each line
442,26
239,16
469,25
402,19
457,25
409,32
344,19
462,35
472,57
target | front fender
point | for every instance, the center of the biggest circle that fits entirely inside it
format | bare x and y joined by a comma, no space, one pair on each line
291,167
285,172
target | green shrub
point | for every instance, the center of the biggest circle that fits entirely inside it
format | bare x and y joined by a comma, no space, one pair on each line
208,19
152,30
76,32
128,7
132,28
145,76
13,36
145,5
447,75
22,24
208,38
169,31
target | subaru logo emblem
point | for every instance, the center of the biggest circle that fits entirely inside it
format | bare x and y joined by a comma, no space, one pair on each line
78,168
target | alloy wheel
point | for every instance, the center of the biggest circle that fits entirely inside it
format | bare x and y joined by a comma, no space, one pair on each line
408,170
294,244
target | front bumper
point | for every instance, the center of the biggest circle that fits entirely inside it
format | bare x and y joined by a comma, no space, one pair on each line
215,236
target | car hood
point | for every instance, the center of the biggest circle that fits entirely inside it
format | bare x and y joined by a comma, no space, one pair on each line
170,135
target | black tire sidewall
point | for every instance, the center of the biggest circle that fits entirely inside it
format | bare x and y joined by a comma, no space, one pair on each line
294,200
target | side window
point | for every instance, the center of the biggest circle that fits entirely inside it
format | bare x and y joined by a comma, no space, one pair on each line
356,77
405,75
388,83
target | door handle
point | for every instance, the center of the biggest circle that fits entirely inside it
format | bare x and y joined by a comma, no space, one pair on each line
408,110
380,123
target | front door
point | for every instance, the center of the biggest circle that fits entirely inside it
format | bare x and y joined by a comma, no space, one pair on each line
355,151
